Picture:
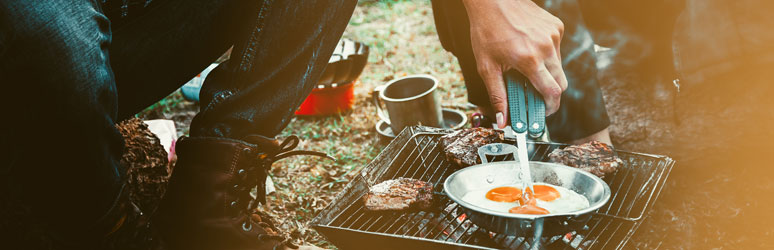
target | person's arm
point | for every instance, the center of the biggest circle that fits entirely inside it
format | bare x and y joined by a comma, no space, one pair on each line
516,34
602,135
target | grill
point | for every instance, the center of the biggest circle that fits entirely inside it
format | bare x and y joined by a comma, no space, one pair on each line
417,153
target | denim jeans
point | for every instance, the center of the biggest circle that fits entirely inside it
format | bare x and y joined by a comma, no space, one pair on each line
69,73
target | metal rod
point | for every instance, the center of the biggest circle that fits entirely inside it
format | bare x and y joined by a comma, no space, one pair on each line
537,235
399,218
616,189
343,213
393,223
370,224
357,219
427,167
616,230
452,220
421,159
666,169
443,215
398,156
628,191
470,235
391,162
591,236
414,150
416,222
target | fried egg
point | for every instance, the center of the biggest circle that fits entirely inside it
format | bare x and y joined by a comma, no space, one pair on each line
553,198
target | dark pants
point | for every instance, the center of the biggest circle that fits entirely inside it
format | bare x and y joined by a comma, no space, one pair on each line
69,76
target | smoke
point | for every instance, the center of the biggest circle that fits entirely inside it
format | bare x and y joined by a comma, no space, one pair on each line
621,49
598,27
577,39
582,41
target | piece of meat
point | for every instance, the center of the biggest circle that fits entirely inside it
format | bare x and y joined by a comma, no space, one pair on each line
594,157
399,194
461,146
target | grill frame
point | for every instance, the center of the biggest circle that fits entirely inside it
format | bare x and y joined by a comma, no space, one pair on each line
417,149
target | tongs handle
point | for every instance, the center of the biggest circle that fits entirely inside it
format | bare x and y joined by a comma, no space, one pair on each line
524,104
536,113
514,86
496,149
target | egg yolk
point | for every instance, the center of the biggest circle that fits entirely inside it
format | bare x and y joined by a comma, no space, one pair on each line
529,207
504,194
545,193
512,194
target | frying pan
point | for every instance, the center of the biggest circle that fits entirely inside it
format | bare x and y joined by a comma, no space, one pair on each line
496,174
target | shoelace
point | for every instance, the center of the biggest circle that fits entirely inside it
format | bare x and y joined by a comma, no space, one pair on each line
287,146
285,150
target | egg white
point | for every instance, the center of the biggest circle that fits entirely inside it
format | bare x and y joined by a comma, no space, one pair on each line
478,198
568,201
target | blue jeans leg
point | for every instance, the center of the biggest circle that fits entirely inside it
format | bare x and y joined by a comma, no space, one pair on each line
60,152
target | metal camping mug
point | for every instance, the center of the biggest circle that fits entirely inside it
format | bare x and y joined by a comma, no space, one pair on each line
410,100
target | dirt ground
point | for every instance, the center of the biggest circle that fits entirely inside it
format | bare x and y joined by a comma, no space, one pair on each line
403,41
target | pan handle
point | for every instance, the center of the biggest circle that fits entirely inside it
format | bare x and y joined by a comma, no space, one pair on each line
379,111
495,149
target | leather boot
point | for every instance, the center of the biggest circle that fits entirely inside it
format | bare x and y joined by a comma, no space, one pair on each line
125,227
208,204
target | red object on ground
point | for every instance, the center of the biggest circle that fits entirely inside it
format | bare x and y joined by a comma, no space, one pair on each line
329,100
335,91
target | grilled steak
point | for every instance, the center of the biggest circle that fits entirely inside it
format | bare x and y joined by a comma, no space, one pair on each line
399,194
594,157
461,146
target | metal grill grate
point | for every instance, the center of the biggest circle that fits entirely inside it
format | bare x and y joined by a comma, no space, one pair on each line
416,153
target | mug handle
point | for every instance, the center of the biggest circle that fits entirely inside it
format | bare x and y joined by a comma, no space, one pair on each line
379,111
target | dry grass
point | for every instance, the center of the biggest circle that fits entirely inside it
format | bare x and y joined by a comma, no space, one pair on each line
403,41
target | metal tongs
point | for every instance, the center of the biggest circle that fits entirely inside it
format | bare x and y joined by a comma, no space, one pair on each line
528,116
526,108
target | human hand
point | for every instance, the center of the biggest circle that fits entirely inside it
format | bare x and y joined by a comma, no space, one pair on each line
516,34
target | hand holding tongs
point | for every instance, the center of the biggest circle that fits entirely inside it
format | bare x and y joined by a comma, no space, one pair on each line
526,108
